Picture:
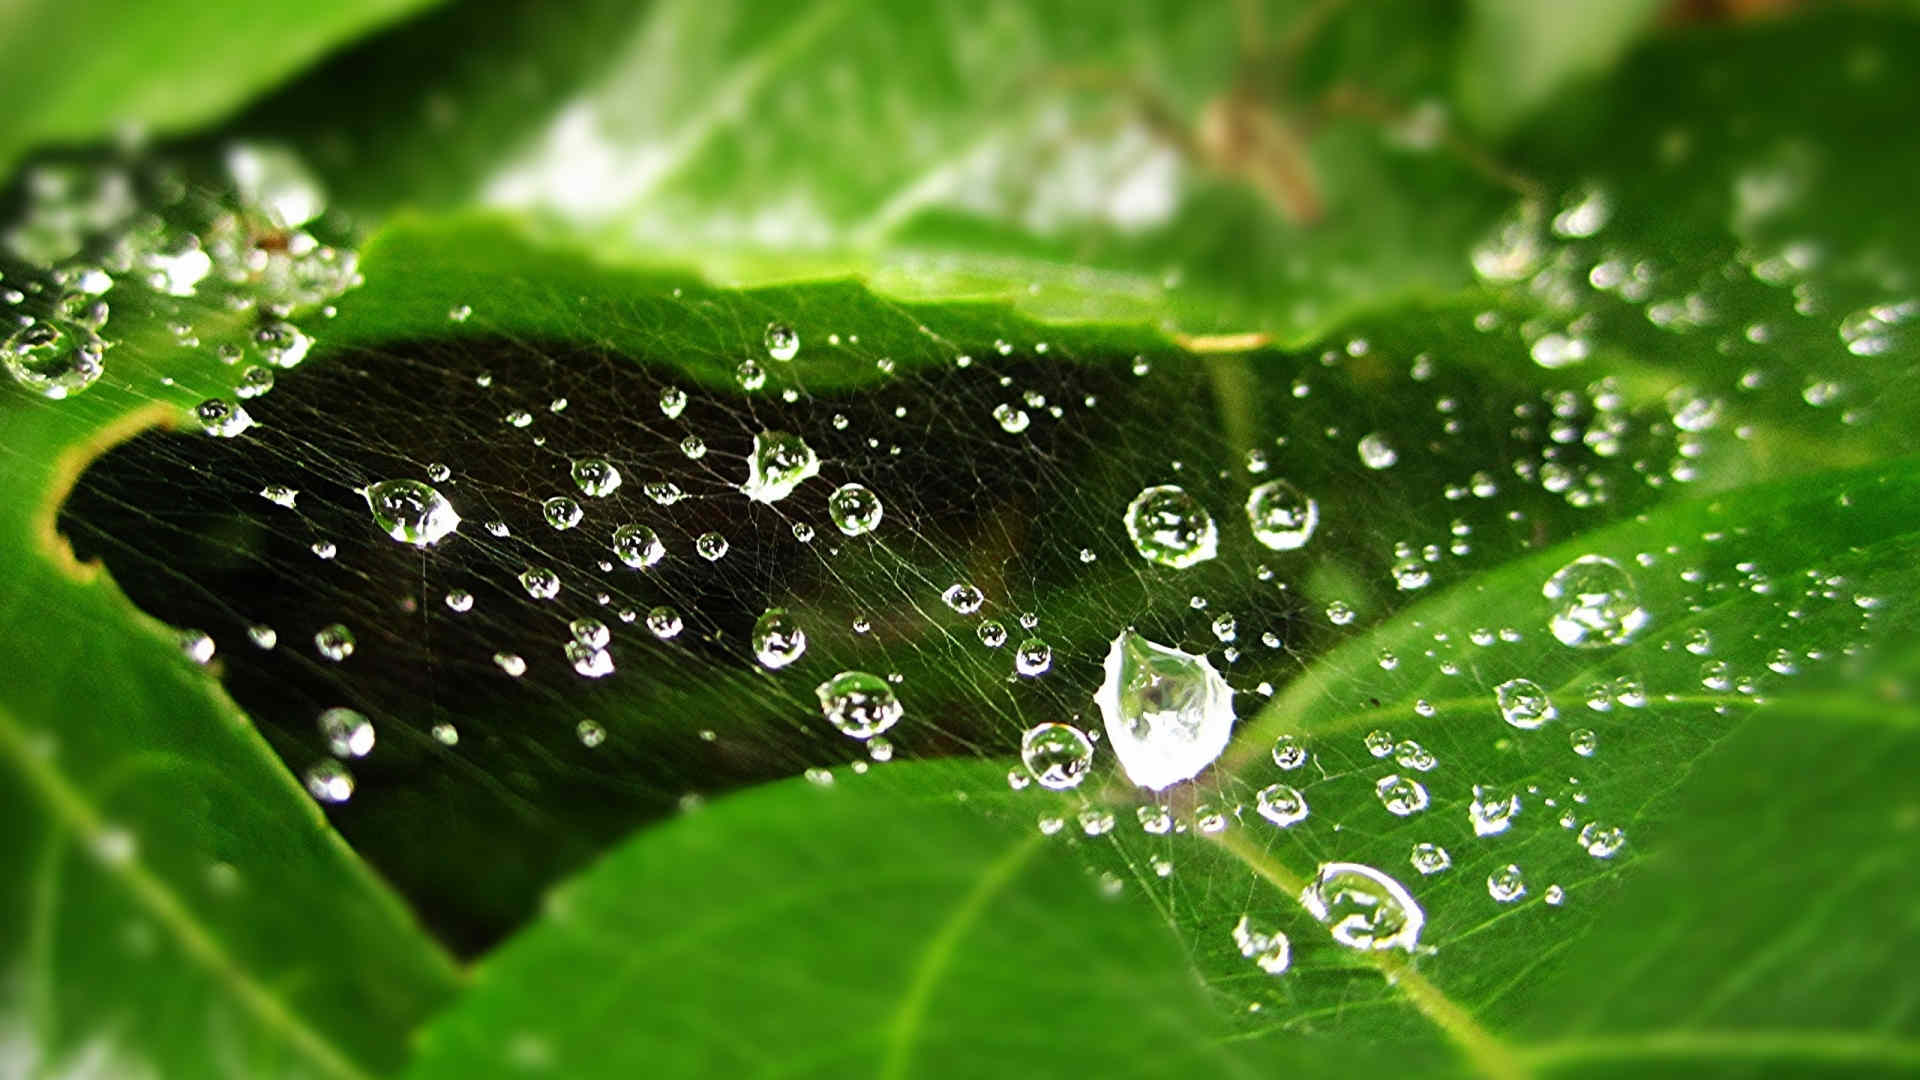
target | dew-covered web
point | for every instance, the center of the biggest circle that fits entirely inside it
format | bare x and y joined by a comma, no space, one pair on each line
1005,456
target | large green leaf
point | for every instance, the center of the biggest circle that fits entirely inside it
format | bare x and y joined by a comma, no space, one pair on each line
81,71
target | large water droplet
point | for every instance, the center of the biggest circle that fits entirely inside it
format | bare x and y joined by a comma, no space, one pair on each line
1401,795
963,597
1492,810
638,546
410,511
221,418
1058,755
1170,527
1506,884
540,582
780,462
858,704
1429,858
781,341
348,733
596,478
1033,657
854,508
778,639
1595,604
561,512
1524,704
1282,805
55,361
329,781
1168,713
1364,908
1280,516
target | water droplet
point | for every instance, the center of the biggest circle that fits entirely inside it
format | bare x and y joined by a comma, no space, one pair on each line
329,781
1058,755
963,598
1011,419
1281,517
596,477
222,418
410,511
1340,613
694,447
664,622
1583,741
778,639
561,512
1171,528
858,704
1364,908
459,600
1401,795
348,733
540,582
508,662
1523,704
1156,820
1267,947
1506,884
589,733
1167,713
446,734
780,462
263,636
993,633
1554,895
1595,603
1033,657
637,546
1282,805
711,546
1376,452
590,632
1288,753
197,645
1602,841
673,401
588,661
855,509
254,382
663,492
1492,810
53,360
782,343
334,642
1096,821
279,495
750,375
1411,755
1411,573
1429,858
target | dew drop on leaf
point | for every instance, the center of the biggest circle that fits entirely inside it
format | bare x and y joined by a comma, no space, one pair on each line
963,598
1284,806
1033,658
711,546
664,622
540,582
1168,714
1524,704
1595,603
1492,810
1506,884
1429,858
1170,527
1364,908
1288,753
1058,755
781,341
1266,946
221,418
53,360
1401,795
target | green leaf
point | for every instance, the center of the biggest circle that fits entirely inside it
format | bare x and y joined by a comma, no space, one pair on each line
1766,939
83,71
1517,54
